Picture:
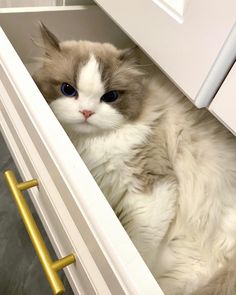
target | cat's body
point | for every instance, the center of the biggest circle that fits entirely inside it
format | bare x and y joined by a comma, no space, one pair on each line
170,190
167,169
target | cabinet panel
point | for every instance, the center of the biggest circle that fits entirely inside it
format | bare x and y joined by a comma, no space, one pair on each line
195,48
224,104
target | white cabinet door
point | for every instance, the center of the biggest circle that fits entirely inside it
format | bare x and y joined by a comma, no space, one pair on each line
193,41
73,210
224,104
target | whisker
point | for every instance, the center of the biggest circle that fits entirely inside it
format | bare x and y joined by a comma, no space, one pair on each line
146,65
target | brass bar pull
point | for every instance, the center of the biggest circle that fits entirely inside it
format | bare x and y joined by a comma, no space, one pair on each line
50,268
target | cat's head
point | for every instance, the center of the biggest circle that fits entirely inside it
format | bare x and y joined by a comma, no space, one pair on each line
91,87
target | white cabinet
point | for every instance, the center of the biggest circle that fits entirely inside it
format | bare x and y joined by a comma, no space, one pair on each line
72,208
193,41
224,104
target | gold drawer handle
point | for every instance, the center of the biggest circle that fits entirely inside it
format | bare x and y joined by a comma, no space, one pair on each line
50,267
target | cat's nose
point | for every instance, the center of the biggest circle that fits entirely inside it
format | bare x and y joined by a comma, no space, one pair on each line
87,113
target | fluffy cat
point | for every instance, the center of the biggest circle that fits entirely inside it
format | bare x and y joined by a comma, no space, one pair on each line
167,169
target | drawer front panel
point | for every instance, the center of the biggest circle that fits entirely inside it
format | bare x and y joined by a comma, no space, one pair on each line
195,48
47,199
73,210
224,104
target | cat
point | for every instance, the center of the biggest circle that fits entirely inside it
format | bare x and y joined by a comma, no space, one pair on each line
167,169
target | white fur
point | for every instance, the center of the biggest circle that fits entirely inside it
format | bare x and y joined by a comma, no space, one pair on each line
105,156
148,217
89,81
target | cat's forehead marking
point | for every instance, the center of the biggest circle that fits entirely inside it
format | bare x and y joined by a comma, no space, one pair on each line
89,78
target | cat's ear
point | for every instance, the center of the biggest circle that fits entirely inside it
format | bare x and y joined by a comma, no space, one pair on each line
129,54
50,41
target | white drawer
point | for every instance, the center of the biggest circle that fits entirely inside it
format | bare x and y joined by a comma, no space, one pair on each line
193,41
72,208
224,104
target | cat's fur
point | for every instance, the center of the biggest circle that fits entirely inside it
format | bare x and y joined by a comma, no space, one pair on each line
167,169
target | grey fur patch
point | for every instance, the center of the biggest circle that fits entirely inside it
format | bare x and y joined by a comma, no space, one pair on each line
61,66
223,283
121,73
49,39
145,159
128,81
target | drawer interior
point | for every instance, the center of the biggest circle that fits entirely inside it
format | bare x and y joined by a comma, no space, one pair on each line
77,23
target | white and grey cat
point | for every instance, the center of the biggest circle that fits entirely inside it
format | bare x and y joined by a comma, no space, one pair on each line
167,169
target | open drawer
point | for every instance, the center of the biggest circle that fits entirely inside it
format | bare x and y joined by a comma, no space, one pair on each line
74,212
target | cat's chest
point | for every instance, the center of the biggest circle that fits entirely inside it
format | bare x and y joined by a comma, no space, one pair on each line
106,157
103,160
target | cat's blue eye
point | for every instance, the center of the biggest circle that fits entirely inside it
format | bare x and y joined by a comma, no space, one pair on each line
110,96
68,90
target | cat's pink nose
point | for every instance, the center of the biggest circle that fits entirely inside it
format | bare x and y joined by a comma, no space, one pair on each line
87,113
